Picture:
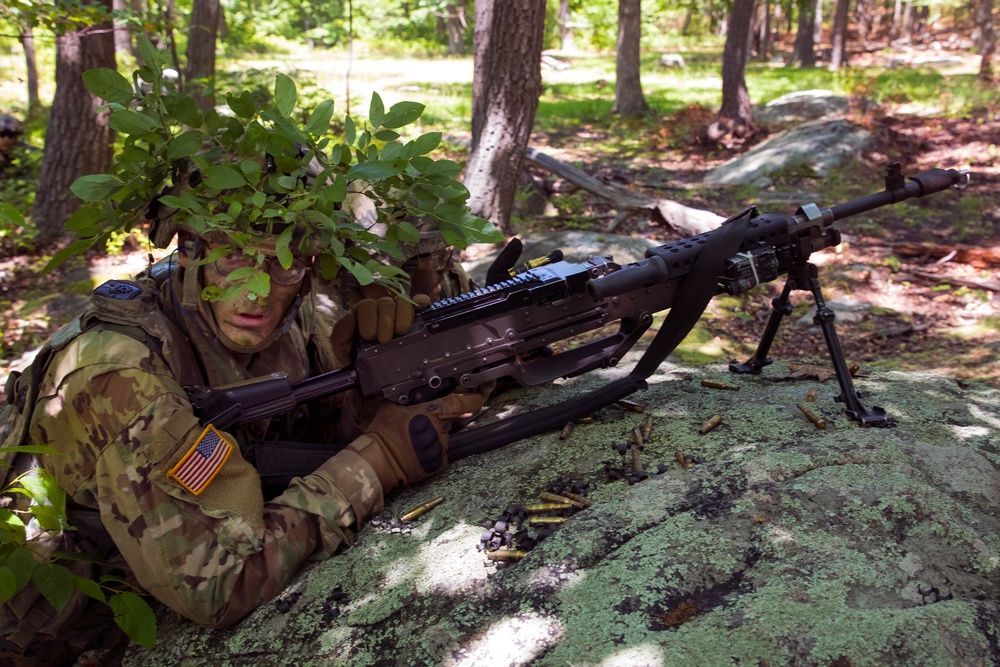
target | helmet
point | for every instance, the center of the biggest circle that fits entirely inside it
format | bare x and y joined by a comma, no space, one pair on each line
10,126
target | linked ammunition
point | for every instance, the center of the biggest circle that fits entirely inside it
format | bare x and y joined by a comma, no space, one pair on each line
583,500
637,437
719,385
584,420
546,507
553,498
636,463
567,431
421,510
711,424
629,405
506,554
811,396
813,417
546,520
647,426
682,459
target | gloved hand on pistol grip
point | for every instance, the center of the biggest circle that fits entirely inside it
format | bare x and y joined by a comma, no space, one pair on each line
375,320
407,444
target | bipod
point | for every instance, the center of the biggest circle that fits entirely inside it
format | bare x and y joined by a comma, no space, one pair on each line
805,277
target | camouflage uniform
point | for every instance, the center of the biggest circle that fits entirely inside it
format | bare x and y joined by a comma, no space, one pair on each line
115,410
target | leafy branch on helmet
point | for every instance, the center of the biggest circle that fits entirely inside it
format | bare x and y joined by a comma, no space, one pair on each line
251,178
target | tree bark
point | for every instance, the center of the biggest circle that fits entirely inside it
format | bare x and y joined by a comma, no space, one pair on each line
507,82
456,29
804,49
199,75
736,114
565,27
629,100
864,20
77,139
987,39
123,35
838,54
31,66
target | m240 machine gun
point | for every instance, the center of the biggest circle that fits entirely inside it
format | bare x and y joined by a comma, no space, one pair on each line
489,333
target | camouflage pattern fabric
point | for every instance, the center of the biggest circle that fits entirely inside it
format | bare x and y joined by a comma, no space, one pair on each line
120,421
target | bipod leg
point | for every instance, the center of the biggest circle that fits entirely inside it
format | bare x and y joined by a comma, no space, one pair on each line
780,307
849,395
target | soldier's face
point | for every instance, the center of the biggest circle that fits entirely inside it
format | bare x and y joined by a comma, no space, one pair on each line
7,141
248,323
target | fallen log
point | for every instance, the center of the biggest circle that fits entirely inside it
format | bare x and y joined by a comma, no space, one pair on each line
980,258
682,219
986,285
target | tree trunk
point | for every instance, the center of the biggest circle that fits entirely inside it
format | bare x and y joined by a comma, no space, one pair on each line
200,72
123,34
838,54
804,50
987,39
565,28
764,37
507,82
456,29
304,19
629,100
77,139
31,66
864,20
736,114
906,23
818,23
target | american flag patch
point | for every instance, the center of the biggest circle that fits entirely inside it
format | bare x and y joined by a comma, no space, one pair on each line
203,462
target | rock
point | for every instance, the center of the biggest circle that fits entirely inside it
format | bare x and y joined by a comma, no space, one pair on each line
575,245
672,60
802,105
847,309
821,145
782,544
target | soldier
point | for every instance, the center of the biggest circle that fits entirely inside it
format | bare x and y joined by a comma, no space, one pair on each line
203,520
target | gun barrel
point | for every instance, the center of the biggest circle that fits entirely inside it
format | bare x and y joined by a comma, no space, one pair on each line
924,183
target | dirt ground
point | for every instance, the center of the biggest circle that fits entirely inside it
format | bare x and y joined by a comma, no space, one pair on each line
928,311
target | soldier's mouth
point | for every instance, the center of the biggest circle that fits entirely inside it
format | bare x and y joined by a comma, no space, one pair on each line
252,320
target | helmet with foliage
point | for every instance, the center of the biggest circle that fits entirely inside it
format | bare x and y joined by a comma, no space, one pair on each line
10,126
256,177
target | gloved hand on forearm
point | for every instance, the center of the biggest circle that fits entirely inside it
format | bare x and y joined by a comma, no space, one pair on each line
408,444
375,320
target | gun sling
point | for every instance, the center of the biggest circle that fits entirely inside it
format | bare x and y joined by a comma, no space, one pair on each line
697,290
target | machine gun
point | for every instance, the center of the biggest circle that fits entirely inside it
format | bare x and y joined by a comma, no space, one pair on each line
489,333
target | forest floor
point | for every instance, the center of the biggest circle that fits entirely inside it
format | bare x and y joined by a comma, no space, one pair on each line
919,307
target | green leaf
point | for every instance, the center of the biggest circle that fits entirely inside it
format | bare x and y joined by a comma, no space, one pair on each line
150,55
224,177
95,187
376,111
22,563
350,131
90,588
185,109
85,221
8,584
372,171
109,85
135,617
251,169
131,122
55,582
360,273
284,95
44,488
259,199
387,135
425,143
319,120
402,113
282,247
242,104
75,248
473,230
184,145
11,527
258,286
10,216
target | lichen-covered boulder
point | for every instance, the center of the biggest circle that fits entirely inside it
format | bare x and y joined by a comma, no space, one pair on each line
780,543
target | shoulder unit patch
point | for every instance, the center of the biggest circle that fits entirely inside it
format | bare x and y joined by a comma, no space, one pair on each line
203,461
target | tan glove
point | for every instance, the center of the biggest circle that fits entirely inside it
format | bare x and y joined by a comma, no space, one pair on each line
372,320
408,444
